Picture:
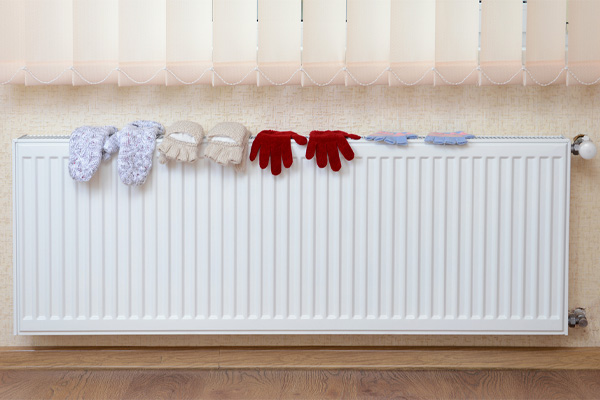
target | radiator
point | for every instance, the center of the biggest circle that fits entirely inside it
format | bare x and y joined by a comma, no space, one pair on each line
404,240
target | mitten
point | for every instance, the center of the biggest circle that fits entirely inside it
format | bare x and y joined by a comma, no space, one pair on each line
398,138
327,143
277,146
181,142
459,137
85,150
135,143
228,144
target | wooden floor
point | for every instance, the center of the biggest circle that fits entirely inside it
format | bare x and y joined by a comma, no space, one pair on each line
297,384
300,373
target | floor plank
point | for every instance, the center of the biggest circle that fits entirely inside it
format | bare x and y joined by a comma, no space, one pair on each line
414,358
110,358
454,358
298,384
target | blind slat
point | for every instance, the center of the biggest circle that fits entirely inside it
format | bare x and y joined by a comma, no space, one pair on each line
545,50
142,41
501,41
96,45
12,29
49,41
584,41
324,41
189,41
279,41
234,37
412,60
456,41
368,38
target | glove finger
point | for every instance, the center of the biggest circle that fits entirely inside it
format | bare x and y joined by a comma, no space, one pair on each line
255,147
334,157
263,158
276,160
286,155
322,155
390,140
401,140
370,138
301,140
345,149
310,149
380,138
461,141
351,136
438,140
411,136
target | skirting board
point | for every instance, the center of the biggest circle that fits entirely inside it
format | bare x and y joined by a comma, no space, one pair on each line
431,358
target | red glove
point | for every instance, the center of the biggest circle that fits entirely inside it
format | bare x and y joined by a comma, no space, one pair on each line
325,143
277,146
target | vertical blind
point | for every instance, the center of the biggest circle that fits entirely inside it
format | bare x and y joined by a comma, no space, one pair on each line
545,49
501,42
299,42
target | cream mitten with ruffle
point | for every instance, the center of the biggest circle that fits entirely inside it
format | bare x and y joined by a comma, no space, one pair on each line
181,142
228,145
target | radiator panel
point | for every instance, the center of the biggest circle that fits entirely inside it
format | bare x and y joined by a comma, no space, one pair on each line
420,239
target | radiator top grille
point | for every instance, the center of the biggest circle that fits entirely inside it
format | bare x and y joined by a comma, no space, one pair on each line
420,137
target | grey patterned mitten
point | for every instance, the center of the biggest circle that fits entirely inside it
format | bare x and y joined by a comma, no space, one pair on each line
85,150
135,144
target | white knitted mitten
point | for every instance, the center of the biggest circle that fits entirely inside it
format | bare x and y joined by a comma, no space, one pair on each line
85,150
181,142
135,144
228,145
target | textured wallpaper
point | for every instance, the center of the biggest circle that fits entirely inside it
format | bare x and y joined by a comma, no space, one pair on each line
482,111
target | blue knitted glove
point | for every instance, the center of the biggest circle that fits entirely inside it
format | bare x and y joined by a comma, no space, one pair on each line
458,137
398,138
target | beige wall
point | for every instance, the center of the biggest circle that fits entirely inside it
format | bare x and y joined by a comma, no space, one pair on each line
484,111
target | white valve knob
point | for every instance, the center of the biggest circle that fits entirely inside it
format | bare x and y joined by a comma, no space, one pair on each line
587,149
584,147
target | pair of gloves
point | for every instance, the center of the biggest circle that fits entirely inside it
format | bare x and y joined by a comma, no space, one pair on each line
135,143
400,138
276,147
227,143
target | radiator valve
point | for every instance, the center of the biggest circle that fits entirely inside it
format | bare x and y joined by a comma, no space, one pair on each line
584,147
577,318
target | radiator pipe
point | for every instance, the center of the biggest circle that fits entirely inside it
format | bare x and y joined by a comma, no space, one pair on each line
577,318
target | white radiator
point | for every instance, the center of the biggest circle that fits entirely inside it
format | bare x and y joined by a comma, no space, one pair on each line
415,239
